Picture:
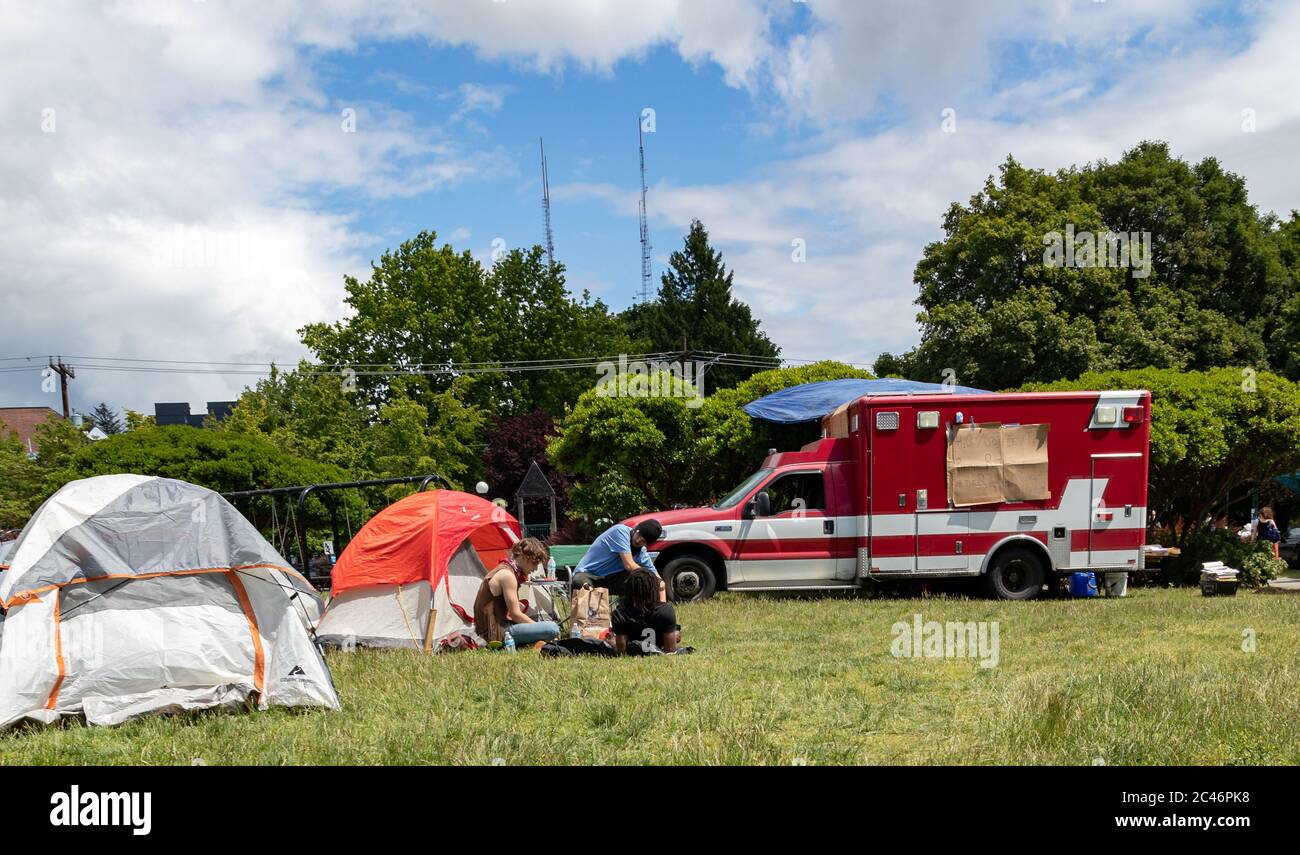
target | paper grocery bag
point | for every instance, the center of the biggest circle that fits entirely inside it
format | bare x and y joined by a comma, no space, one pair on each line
589,611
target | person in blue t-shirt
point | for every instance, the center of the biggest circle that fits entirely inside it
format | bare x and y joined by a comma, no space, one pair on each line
619,550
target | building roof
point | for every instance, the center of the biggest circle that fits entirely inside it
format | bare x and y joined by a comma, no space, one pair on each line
24,421
534,484
179,413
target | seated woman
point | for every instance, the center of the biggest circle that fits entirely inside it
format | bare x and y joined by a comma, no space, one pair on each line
641,617
497,608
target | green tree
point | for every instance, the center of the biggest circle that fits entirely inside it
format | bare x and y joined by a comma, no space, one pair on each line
24,482
417,431
139,421
427,307
631,454
538,320
106,419
27,480
999,307
695,310
308,414
219,460
1288,338
404,442
1211,431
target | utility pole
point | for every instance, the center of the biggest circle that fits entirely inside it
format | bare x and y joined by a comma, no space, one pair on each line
66,373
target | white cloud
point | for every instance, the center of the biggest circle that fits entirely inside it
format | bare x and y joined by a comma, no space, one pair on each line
157,162
867,204
479,98
920,55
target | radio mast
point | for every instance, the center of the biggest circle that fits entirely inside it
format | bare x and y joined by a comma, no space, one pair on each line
546,209
645,229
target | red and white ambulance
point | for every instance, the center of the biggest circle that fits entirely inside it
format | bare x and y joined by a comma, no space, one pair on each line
1011,487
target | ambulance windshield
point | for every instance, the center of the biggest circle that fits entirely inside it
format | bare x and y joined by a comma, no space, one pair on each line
733,498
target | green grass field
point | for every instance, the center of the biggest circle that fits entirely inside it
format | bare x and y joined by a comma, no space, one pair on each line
1157,678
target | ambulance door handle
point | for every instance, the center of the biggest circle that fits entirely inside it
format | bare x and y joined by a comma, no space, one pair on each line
902,500
828,526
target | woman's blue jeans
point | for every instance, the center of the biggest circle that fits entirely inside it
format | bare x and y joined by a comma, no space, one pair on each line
531,633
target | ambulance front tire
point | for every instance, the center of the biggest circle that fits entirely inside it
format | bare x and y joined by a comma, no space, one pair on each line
689,578
1017,573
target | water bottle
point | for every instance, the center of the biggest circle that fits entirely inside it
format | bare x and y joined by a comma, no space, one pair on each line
575,631
510,642
550,568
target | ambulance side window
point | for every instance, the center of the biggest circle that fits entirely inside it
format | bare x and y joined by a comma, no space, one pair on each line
798,490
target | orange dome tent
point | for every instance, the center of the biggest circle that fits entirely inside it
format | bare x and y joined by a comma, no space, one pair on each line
429,549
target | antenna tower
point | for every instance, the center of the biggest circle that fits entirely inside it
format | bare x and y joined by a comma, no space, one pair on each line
546,208
645,229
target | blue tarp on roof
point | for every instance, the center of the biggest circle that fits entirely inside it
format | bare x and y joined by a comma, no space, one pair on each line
808,402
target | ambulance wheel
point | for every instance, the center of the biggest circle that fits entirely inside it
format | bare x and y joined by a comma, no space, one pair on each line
1016,573
689,578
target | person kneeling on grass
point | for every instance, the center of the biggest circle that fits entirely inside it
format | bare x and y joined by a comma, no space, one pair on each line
615,554
497,608
641,619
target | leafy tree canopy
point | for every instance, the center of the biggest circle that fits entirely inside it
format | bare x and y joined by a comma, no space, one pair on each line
1000,308
415,431
219,460
428,306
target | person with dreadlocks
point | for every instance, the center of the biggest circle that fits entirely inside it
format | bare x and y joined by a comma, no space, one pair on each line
642,618
497,608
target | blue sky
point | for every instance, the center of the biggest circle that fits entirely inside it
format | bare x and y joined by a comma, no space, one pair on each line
175,182
704,130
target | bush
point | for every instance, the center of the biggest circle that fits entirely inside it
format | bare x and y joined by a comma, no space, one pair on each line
1260,566
1255,560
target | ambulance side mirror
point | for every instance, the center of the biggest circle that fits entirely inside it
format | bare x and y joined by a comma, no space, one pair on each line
759,506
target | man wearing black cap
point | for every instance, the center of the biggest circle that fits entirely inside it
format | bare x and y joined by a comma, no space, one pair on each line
617,551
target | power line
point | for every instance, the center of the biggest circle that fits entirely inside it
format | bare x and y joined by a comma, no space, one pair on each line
135,365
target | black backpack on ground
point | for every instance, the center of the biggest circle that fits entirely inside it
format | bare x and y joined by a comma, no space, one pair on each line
578,647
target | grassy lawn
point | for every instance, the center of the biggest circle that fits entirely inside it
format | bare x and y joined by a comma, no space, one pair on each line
1159,677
